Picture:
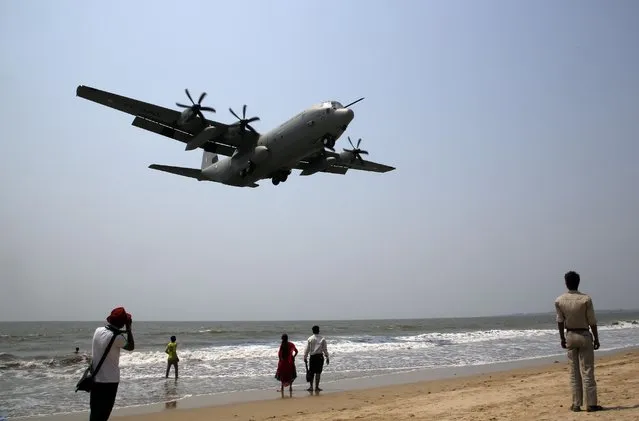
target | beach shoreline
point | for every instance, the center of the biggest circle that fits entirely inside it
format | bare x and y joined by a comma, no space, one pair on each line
267,404
220,365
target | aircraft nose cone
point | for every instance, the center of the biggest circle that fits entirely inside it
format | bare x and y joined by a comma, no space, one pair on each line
346,114
350,114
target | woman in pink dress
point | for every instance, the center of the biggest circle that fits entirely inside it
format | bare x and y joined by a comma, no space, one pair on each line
286,372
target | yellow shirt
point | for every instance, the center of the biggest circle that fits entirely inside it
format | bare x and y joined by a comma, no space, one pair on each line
171,349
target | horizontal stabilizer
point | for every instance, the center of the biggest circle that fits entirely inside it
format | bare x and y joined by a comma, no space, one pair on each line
185,172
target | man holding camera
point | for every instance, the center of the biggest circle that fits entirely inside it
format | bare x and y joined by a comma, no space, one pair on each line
108,377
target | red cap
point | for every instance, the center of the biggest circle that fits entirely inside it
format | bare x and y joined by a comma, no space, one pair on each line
119,317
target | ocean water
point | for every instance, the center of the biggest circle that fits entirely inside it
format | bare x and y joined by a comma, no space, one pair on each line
39,370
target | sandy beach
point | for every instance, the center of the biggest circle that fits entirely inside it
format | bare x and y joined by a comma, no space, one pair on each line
539,393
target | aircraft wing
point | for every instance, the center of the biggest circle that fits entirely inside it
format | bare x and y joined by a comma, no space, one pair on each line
162,120
182,136
305,165
341,167
364,166
355,164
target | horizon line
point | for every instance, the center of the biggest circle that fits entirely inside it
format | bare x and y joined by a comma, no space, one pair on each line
319,320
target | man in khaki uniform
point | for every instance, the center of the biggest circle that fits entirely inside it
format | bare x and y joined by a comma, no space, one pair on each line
575,314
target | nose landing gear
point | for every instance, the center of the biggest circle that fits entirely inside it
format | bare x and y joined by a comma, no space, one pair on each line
329,142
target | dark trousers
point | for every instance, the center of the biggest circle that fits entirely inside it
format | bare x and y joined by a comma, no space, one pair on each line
316,363
102,401
173,363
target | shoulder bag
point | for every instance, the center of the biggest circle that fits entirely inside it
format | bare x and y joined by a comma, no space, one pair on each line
88,378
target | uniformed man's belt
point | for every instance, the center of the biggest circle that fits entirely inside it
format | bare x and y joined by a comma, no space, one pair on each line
576,330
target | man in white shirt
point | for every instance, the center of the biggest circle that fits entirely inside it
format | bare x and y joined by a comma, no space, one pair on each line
316,348
575,321
108,377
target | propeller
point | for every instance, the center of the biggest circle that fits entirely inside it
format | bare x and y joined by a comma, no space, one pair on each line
356,151
196,108
244,122
354,102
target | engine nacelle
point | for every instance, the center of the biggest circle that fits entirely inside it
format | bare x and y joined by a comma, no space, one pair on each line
201,138
318,165
345,156
260,154
185,117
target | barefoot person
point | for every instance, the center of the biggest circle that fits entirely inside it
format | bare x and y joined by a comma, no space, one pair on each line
108,377
286,372
316,348
575,314
172,359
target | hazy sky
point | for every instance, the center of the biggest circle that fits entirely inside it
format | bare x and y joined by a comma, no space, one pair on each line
513,126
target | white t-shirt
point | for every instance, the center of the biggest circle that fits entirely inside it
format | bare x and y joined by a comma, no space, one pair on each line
316,344
110,370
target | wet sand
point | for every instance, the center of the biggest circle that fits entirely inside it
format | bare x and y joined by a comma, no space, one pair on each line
533,393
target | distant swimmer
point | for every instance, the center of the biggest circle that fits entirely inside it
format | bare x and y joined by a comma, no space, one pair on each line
108,377
575,314
286,372
77,349
172,359
316,348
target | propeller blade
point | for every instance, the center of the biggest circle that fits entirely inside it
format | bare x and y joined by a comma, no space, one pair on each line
251,128
182,105
354,102
189,95
349,141
201,97
358,142
207,109
244,112
252,119
363,152
233,112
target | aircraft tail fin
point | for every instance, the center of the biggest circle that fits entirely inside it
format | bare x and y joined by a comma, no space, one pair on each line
208,159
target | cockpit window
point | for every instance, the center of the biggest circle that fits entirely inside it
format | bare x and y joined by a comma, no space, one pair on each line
332,104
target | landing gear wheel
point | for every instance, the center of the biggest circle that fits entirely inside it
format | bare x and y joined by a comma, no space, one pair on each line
284,177
329,142
275,181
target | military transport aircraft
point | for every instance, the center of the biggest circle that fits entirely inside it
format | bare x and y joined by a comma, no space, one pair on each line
299,143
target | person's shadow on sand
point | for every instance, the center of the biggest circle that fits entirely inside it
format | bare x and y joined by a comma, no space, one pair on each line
619,408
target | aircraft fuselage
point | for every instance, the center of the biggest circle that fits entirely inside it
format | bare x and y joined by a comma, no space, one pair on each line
279,150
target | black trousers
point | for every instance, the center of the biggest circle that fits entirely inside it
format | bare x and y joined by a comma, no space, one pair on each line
102,400
316,363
